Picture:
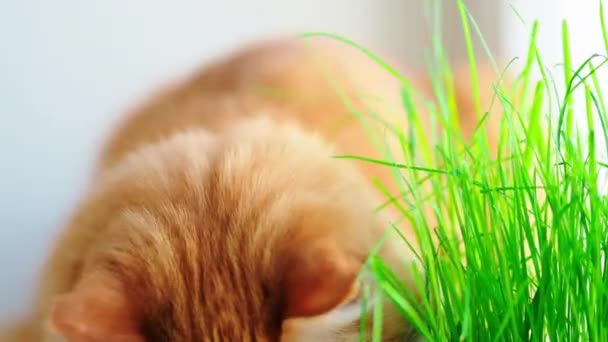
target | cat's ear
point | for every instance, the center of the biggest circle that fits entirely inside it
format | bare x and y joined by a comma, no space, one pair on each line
96,310
318,279
321,293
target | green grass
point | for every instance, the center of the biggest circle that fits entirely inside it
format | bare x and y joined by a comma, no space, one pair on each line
509,265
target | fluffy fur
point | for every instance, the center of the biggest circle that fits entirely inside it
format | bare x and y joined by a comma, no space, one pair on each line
216,212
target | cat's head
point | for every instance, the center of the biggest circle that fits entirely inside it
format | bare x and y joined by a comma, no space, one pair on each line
253,235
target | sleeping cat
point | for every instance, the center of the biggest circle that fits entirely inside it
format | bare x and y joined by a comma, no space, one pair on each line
217,213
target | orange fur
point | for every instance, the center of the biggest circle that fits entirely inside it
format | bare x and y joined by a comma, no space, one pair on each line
216,212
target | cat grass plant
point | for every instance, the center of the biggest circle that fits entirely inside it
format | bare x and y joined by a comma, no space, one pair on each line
517,247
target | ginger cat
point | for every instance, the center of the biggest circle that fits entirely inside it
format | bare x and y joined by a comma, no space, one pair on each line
217,213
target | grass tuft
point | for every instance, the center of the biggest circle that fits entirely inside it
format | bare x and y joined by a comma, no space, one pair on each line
517,248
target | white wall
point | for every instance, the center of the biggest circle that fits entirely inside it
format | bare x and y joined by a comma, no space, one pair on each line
68,67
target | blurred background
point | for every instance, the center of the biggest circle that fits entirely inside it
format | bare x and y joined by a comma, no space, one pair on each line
68,68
